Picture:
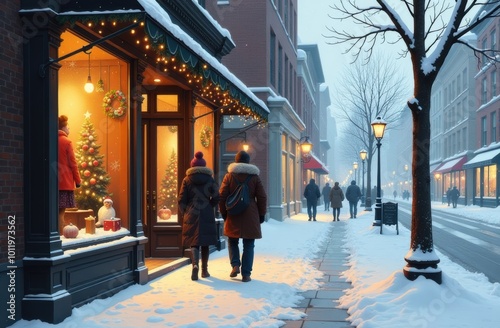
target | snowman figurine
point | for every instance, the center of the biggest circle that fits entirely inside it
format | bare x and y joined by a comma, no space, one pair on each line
106,212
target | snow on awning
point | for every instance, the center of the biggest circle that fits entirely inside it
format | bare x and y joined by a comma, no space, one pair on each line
452,165
484,158
435,167
316,165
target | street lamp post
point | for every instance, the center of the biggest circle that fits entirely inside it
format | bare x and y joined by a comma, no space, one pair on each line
362,155
378,127
355,167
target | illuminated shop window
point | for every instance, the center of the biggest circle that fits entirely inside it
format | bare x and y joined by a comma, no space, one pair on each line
99,131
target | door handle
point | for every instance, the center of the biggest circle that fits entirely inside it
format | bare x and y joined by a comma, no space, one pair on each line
154,200
147,200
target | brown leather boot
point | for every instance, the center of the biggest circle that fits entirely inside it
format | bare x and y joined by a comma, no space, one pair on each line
204,262
195,259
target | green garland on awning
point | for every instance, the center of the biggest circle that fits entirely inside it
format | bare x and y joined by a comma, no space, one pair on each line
177,49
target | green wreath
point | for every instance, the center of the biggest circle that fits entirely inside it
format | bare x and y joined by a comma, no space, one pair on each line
205,136
109,99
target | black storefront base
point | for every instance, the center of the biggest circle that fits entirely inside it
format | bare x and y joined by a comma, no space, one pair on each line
41,275
79,277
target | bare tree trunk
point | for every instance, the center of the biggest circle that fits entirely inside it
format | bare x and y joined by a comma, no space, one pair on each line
421,259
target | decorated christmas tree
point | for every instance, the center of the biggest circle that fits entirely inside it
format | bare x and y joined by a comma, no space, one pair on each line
168,192
95,179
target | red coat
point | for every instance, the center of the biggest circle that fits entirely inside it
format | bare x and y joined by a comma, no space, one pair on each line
67,166
247,224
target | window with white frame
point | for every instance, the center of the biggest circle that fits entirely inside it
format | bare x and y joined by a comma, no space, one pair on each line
483,131
493,118
484,92
484,47
464,78
493,41
493,80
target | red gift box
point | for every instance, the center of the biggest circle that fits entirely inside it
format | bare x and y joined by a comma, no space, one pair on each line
112,224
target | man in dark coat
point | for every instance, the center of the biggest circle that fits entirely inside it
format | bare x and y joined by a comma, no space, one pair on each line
312,194
454,194
448,195
353,194
245,225
326,196
198,196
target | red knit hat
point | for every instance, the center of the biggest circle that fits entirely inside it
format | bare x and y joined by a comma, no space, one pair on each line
198,160
63,121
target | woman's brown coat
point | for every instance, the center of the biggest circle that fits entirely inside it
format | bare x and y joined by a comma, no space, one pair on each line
247,224
336,197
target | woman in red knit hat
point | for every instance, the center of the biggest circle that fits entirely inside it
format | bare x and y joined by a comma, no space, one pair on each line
198,196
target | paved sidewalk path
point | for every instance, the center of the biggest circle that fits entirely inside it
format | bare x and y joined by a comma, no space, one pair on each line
320,305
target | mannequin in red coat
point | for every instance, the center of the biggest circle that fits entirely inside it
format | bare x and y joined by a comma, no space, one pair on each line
69,178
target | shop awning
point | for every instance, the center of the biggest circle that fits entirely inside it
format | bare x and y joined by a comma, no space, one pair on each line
316,165
452,165
435,167
484,158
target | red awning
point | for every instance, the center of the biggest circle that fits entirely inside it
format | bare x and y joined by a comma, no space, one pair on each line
452,165
316,165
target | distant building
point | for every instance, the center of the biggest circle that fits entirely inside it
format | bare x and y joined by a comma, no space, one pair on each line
268,59
484,166
453,121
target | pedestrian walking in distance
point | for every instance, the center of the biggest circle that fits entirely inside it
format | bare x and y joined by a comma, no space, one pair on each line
454,194
353,194
336,197
326,196
245,225
198,197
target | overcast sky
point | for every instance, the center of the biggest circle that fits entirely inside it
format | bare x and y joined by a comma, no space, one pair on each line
313,20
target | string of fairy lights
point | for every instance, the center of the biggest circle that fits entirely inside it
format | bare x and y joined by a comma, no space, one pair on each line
195,72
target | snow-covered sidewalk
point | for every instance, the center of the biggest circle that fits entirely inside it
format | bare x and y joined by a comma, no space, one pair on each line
380,297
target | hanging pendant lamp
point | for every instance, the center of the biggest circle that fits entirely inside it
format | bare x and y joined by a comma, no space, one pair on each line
89,86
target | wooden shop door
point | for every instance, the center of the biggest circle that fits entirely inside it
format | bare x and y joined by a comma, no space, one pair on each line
161,151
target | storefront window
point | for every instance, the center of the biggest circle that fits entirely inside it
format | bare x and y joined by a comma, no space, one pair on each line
490,179
477,187
99,128
167,160
291,173
447,181
167,103
144,106
284,170
462,183
204,133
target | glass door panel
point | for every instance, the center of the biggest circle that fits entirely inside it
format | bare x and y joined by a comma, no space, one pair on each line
167,160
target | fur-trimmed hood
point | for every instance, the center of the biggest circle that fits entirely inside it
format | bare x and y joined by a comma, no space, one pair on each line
199,174
243,168
199,169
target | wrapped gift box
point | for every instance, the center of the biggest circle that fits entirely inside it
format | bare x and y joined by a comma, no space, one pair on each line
112,224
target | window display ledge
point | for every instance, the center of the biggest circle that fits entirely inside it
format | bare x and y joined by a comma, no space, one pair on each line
84,239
